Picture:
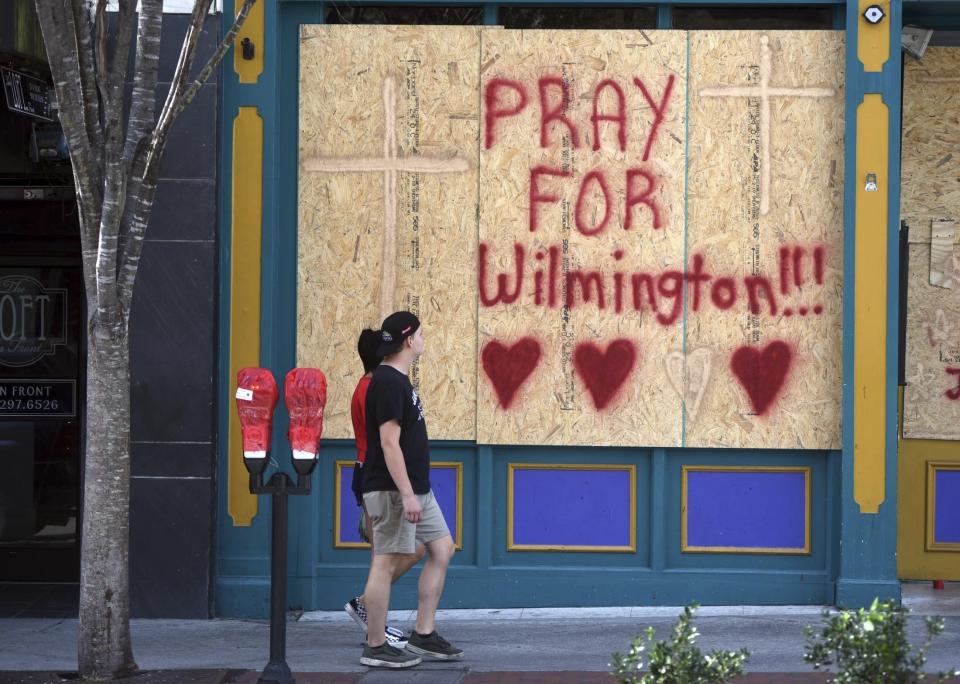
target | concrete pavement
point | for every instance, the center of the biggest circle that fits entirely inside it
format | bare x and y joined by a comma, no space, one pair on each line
548,641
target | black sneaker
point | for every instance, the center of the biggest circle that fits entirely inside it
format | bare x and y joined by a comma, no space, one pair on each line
433,645
356,610
386,655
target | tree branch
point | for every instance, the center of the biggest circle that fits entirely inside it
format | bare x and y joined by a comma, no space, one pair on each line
60,36
89,221
59,33
140,121
136,223
172,109
116,80
188,52
83,24
139,217
111,80
100,48
143,179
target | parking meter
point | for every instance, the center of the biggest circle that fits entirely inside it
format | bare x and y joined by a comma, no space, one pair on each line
256,400
305,392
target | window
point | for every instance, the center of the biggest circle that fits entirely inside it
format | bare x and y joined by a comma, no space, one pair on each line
577,17
370,14
759,18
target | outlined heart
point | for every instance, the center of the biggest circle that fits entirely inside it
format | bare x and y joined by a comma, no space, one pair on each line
689,375
762,372
604,372
508,367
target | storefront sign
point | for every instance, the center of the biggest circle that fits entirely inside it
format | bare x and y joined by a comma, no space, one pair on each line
33,320
26,94
38,398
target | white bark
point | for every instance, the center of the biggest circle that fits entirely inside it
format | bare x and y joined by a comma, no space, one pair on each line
115,167
104,648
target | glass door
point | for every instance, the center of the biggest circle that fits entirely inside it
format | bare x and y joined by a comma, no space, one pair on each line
41,390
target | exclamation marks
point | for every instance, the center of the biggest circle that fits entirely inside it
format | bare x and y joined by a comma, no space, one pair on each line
785,271
818,254
792,272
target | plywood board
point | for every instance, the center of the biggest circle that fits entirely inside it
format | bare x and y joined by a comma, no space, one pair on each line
556,368
930,194
765,211
930,186
406,94
931,399
557,204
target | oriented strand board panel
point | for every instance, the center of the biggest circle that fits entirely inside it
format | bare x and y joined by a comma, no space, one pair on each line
931,399
388,144
930,186
765,215
930,193
604,251
581,189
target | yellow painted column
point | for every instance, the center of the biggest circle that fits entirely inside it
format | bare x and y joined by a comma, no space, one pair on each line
245,257
870,306
872,184
873,40
249,70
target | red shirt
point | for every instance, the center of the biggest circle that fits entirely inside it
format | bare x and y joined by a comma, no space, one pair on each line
359,417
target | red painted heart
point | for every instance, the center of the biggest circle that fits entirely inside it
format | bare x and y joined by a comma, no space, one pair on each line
508,367
604,372
762,373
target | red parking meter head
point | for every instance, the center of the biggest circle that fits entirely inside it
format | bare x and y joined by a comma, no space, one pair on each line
256,400
305,391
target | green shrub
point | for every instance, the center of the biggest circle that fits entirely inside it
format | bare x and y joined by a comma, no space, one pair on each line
869,645
677,661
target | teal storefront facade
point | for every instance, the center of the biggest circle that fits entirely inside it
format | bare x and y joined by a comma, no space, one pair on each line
651,553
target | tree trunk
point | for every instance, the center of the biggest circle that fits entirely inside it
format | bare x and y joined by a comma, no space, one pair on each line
115,169
105,651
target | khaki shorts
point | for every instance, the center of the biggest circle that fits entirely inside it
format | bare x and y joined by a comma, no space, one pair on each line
392,532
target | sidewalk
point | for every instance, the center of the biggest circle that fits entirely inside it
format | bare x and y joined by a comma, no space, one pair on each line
519,645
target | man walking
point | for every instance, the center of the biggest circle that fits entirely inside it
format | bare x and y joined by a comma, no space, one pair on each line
367,346
399,501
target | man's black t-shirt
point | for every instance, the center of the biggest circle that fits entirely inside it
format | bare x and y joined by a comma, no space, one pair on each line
392,397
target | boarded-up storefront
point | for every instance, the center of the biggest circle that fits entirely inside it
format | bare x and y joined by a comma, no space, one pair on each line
639,262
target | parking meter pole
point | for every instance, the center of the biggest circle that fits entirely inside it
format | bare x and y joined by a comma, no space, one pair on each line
277,671
280,486
305,392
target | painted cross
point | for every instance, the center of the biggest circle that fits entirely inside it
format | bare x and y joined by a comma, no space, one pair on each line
920,382
939,331
765,91
390,164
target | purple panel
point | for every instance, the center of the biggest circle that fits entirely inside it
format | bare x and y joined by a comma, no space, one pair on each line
349,510
562,507
442,479
946,507
746,509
